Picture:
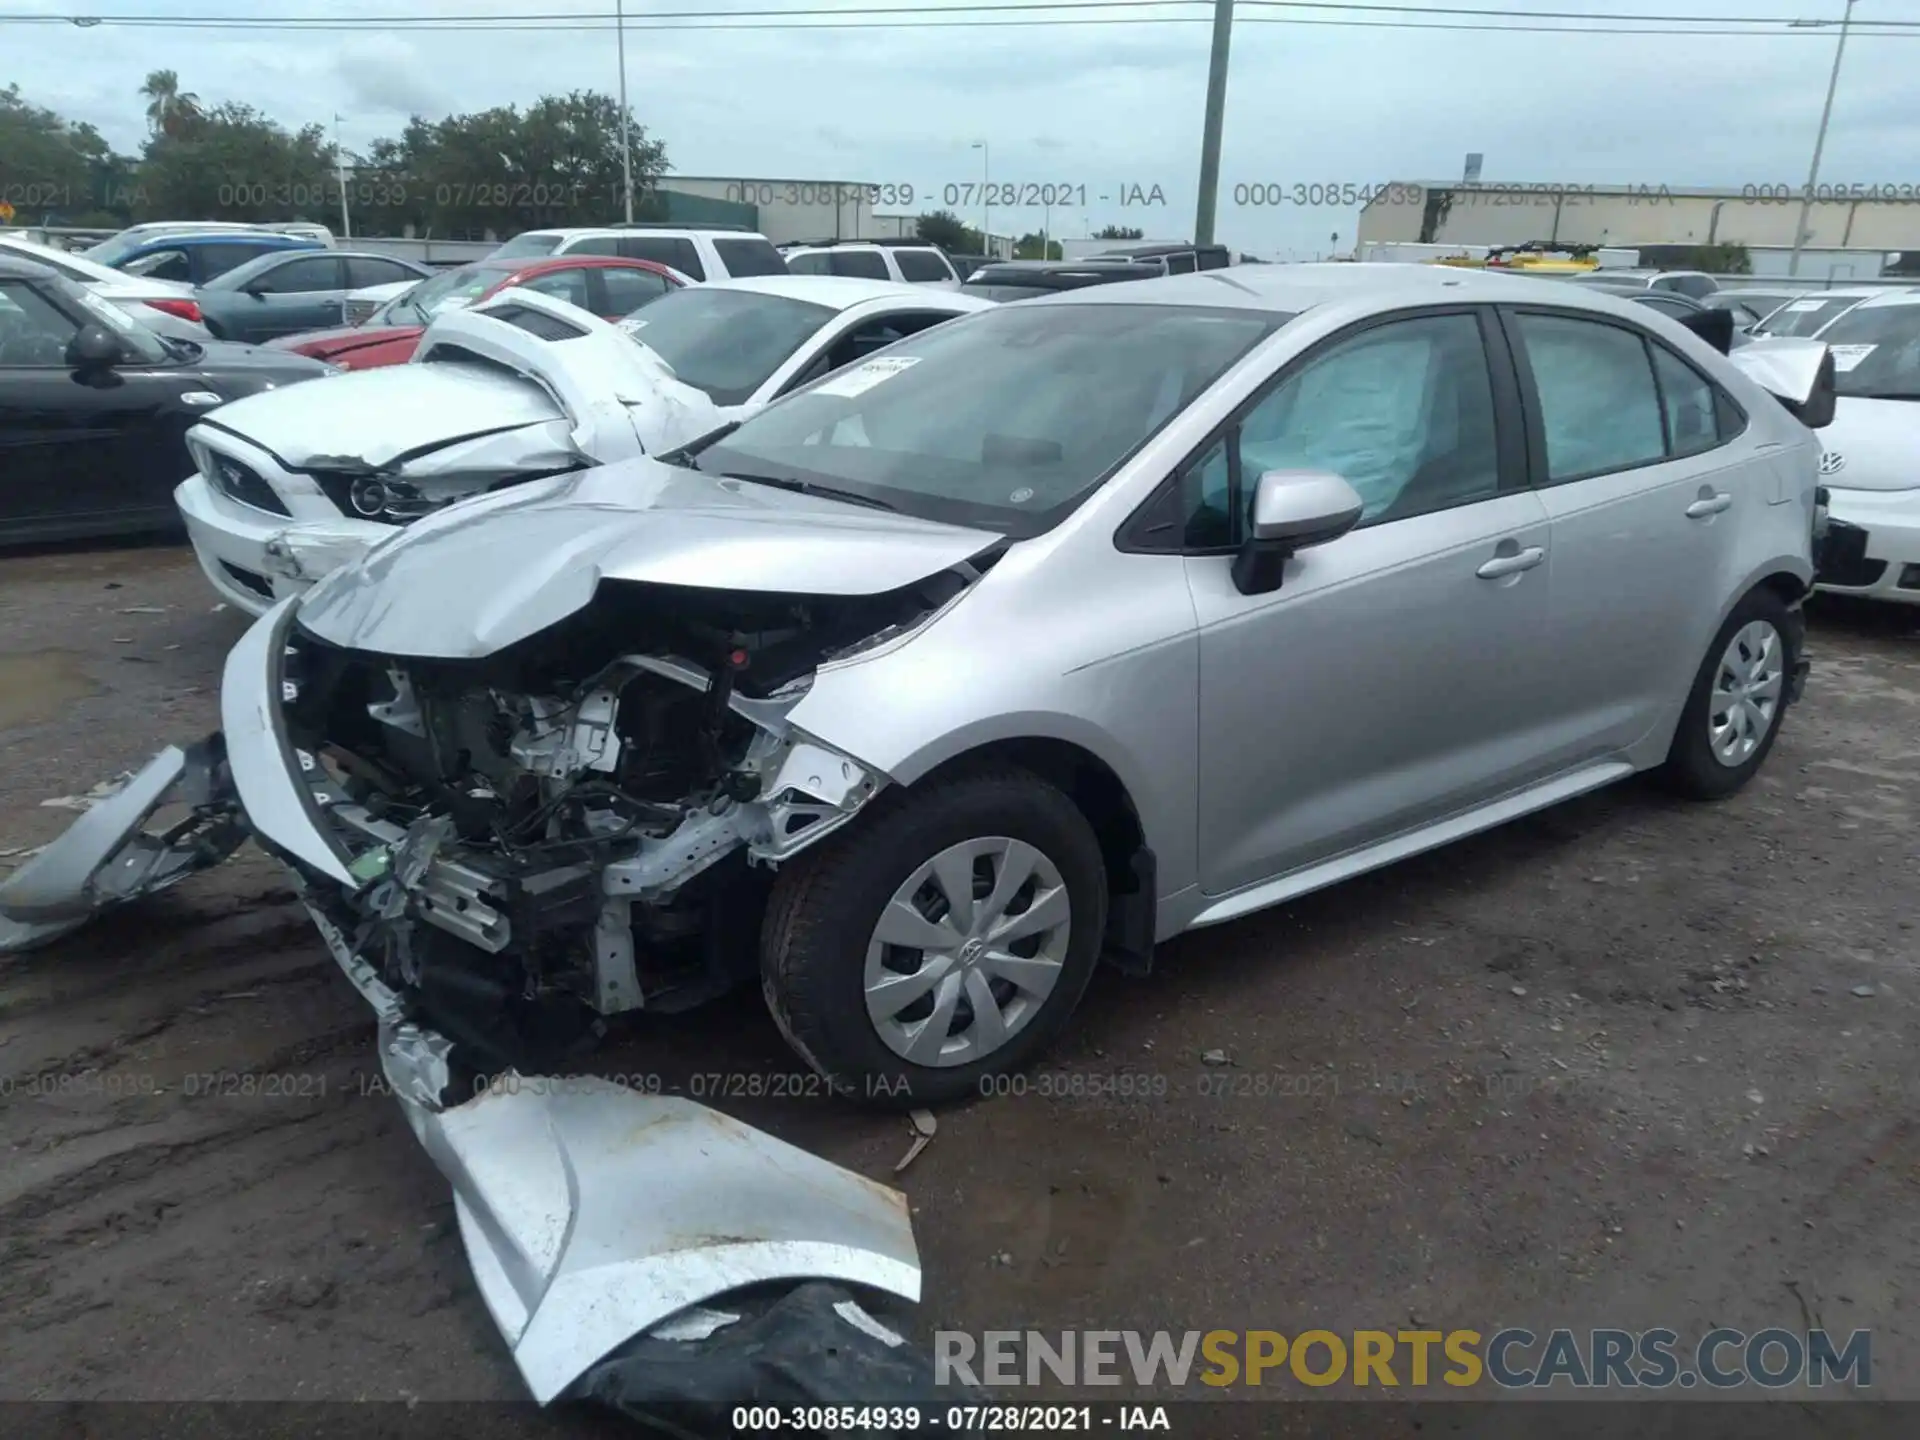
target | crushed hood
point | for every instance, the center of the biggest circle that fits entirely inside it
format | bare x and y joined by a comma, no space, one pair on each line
1872,445
475,578
374,418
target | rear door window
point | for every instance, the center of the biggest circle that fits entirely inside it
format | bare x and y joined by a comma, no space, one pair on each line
752,256
861,264
675,251
301,277
365,270
921,266
1180,264
625,291
1599,405
162,265
218,259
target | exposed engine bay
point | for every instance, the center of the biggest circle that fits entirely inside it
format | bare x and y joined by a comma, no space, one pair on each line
585,822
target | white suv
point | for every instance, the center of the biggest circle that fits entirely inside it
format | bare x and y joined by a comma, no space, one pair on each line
912,262
700,252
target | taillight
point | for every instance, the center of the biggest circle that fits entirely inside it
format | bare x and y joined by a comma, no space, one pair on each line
182,309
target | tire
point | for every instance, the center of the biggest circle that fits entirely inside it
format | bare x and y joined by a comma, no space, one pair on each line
819,951
1693,767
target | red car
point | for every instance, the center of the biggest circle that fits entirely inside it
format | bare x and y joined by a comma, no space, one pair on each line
603,285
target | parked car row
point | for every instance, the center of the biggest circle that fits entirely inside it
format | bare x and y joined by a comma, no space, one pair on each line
731,675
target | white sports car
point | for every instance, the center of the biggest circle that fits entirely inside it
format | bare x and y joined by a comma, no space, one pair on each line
523,386
1870,464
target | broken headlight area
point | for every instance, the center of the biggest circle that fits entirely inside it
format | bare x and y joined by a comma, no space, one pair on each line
585,822
393,499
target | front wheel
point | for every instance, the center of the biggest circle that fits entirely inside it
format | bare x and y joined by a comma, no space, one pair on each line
937,942
1739,698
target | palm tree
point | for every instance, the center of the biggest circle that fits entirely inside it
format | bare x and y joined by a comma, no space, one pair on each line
169,109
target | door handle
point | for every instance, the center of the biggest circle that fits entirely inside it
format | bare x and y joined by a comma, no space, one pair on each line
1709,505
1512,564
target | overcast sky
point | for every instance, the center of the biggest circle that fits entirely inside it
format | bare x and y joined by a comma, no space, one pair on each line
1104,107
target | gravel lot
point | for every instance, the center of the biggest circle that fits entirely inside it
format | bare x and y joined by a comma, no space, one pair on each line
1628,1063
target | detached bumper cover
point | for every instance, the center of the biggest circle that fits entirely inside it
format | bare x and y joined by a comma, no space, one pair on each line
592,1213
108,856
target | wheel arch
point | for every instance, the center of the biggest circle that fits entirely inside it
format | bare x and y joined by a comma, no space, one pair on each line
1100,794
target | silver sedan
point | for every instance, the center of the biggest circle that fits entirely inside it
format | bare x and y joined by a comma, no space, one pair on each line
1028,643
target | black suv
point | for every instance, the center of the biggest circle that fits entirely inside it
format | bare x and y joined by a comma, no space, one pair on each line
1023,279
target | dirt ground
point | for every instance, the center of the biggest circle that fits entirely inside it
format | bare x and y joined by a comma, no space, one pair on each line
1627,1063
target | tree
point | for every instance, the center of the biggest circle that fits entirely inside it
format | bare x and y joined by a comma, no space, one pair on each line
170,111
1120,232
233,163
55,172
1028,247
945,229
501,171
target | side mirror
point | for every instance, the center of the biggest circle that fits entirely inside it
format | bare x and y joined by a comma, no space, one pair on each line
1292,509
1713,326
94,348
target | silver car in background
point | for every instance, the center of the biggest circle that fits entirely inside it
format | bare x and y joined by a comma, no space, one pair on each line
1032,641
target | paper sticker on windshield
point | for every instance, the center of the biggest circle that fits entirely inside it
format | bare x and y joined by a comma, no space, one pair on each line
862,378
1845,357
1804,307
632,326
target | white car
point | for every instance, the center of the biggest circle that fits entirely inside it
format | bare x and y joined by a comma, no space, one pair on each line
907,262
522,386
167,307
700,252
1870,464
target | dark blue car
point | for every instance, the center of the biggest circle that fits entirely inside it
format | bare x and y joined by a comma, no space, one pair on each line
198,258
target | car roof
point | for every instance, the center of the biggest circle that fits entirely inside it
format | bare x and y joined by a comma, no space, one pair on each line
1882,298
1290,289
271,238
1163,248
571,232
843,292
541,264
15,269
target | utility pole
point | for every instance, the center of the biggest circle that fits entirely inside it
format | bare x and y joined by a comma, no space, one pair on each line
1216,112
626,146
340,171
1819,144
986,202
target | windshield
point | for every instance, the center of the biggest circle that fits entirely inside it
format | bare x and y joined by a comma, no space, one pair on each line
1876,352
450,290
1803,317
142,345
528,246
1004,419
114,248
725,342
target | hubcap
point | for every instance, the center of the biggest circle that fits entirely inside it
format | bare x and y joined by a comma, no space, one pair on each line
967,951
1746,693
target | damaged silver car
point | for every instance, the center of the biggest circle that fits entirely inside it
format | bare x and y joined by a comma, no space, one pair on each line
1032,641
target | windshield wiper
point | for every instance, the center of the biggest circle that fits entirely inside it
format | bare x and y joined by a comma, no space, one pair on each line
810,487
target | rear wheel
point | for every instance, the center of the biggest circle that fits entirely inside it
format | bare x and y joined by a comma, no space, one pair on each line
1738,700
939,942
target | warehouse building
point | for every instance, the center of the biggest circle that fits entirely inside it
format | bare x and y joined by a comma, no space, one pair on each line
1861,230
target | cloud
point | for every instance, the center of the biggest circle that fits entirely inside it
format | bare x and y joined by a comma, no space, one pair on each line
383,75
1099,107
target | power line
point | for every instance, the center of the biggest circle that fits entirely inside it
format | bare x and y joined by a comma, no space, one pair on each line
580,22
1057,12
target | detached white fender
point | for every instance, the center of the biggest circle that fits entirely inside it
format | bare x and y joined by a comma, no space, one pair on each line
621,398
1798,372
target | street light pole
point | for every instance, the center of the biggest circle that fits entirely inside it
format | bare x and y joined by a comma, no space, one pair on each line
986,204
340,171
1819,144
626,146
1216,113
